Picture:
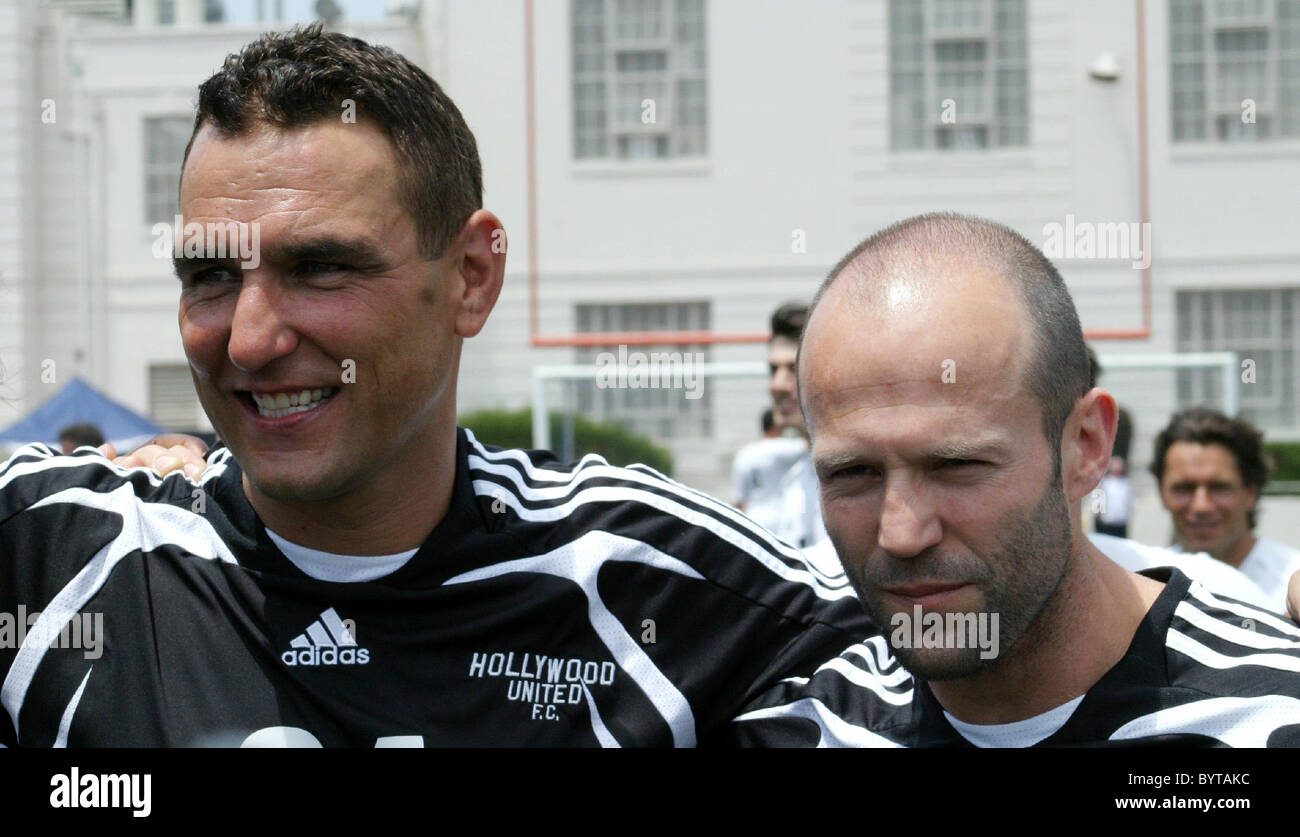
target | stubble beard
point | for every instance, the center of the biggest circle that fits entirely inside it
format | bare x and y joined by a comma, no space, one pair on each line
1018,581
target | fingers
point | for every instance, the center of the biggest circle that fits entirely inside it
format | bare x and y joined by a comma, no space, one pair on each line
171,440
1293,598
164,460
108,450
141,457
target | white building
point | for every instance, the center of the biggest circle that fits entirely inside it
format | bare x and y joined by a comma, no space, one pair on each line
686,165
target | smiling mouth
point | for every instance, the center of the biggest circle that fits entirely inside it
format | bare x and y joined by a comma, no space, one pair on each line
280,404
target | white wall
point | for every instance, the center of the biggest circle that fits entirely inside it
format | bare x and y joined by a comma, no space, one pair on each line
798,139
15,93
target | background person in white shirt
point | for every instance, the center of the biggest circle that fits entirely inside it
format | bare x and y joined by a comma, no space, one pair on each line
1117,501
800,519
1211,470
758,470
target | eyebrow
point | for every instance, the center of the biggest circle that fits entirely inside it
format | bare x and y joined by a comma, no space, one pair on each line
359,252
183,266
947,450
834,461
966,450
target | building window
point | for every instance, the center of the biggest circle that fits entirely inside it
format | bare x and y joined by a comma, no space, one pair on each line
639,79
1234,69
166,12
664,412
172,401
164,146
958,74
1260,326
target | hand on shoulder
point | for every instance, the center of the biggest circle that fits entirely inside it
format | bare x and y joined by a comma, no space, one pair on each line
164,454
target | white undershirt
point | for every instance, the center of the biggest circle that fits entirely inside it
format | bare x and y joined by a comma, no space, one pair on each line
330,566
1024,733
1269,564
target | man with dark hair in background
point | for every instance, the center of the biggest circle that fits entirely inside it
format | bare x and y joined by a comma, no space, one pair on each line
354,569
786,325
1211,469
80,435
955,433
800,517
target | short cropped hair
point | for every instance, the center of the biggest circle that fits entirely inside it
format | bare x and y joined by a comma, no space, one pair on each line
303,76
1058,371
82,434
1203,426
788,321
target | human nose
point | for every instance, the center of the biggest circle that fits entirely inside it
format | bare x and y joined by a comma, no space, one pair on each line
259,333
908,523
1201,502
783,381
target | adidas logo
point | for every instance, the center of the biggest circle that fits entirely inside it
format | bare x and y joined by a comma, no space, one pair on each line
326,642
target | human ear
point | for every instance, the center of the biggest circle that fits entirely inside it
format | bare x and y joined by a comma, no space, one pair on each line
1087,442
481,267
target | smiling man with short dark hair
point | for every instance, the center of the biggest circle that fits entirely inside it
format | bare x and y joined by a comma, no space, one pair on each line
354,570
1211,470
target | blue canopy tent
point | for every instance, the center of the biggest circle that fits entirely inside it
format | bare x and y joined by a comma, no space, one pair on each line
75,403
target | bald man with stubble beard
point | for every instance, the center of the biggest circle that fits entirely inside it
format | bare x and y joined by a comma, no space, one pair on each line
953,449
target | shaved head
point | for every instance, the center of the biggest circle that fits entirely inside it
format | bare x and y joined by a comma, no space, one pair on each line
940,370
901,262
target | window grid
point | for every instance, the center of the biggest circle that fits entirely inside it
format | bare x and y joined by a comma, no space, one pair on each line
1225,51
627,51
1259,325
974,52
164,146
661,414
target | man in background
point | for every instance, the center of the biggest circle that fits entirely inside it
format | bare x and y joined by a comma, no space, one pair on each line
800,517
1116,501
758,470
78,435
1211,470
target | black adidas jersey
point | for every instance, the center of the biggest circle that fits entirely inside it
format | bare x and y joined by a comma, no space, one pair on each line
580,605
1202,670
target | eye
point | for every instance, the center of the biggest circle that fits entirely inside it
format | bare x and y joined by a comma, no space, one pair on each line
853,472
320,268
210,276
961,463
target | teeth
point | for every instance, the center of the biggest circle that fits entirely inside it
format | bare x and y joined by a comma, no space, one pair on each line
283,404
